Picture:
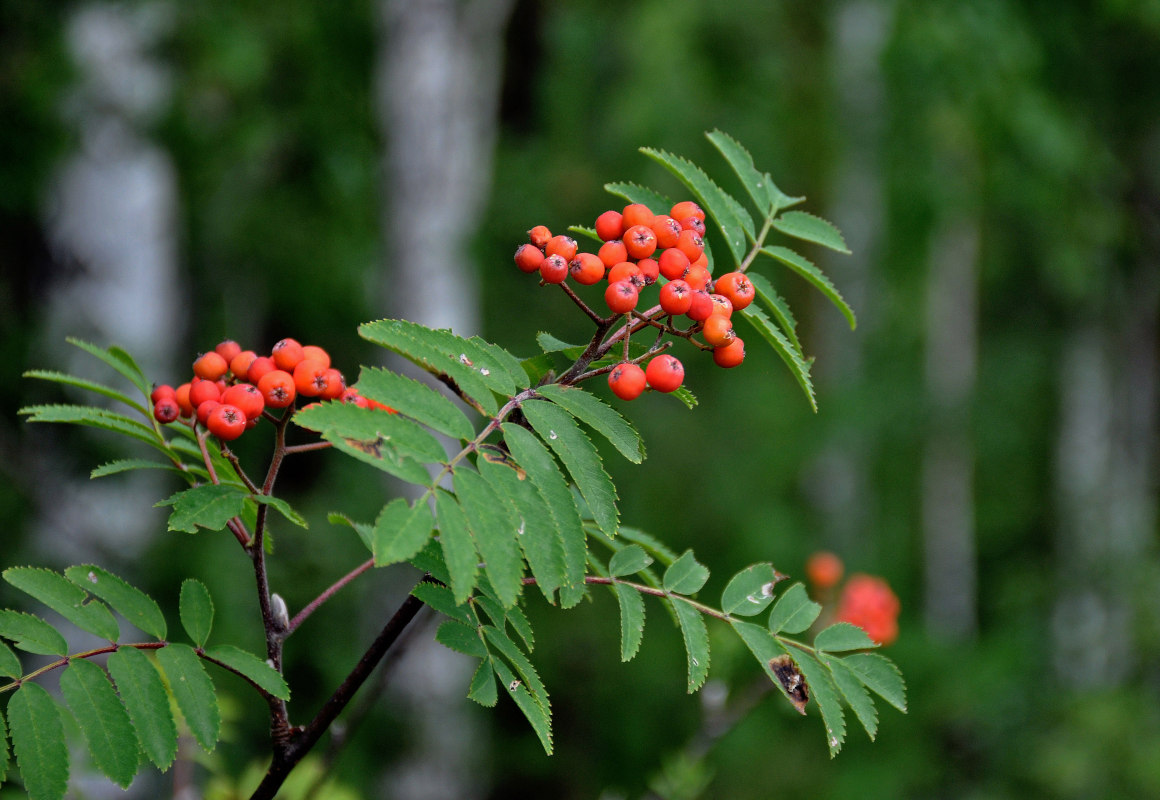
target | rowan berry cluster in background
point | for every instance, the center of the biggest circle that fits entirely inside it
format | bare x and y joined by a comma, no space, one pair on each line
866,600
641,249
232,388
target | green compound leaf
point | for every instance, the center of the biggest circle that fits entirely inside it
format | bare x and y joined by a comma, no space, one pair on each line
250,666
483,689
129,464
801,225
95,418
427,349
805,268
102,719
537,534
379,454
459,551
879,675
81,383
843,636
31,634
768,198
794,611
542,470
415,400
194,692
372,428
134,605
510,651
494,532
37,732
733,220
118,359
854,693
696,639
599,416
442,600
559,431
628,560
631,620
9,663
550,344
401,531
784,348
634,193
66,599
777,306
750,591
208,506
195,607
143,693
825,693
461,638
511,367
686,575
537,714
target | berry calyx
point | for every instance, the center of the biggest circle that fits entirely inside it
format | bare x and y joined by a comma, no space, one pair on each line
627,381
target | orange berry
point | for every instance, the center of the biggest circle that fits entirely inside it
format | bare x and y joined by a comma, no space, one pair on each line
650,269
259,367
736,287
718,330
824,569
687,208
539,236
240,364
667,229
315,352
286,354
563,246
528,257
673,263
665,373
612,252
609,225
181,395
636,214
335,385
202,390
228,349
310,378
691,244
640,241
731,354
586,269
226,422
247,397
277,388
627,271
210,366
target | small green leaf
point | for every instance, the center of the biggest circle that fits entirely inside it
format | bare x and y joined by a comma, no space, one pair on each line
208,506
768,198
365,532
537,714
66,599
825,694
784,348
652,545
483,689
494,532
401,531
415,400
9,663
37,732
531,454
794,611
102,719
520,624
778,307
750,591
81,383
134,605
95,418
801,225
3,749
461,638
118,359
372,428
249,665
129,464
31,634
459,551
634,193
631,620
550,344
879,674
686,575
808,270
683,394
379,454
843,636
194,692
143,693
559,431
442,600
503,643
282,507
195,607
854,693
599,416
628,561
696,639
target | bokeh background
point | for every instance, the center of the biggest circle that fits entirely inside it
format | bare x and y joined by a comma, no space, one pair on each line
172,174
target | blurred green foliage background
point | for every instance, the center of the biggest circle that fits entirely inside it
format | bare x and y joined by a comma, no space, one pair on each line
986,439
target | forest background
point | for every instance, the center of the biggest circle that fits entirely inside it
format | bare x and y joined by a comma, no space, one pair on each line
172,174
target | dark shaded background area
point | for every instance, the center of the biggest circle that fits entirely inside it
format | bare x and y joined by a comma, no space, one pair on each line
172,174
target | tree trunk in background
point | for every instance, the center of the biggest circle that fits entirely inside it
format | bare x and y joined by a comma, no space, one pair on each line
438,85
859,32
948,518
112,219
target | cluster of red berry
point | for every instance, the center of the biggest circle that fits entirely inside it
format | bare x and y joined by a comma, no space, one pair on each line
639,248
866,601
231,387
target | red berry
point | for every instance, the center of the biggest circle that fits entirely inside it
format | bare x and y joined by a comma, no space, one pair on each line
166,410
287,353
563,246
697,277
718,330
721,305
636,214
259,367
731,354
335,385
228,349
627,271
240,364
205,409
687,208
181,395
676,297
539,236
612,252
737,288
210,366
665,373
640,241
316,353
667,229
868,602
226,422
351,395
586,269
701,306
202,390
673,263
650,269
529,257
247,397
609,225
621,296
554,269
824,569
277,388
691,244
161,391
310,378
627,381
693,224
